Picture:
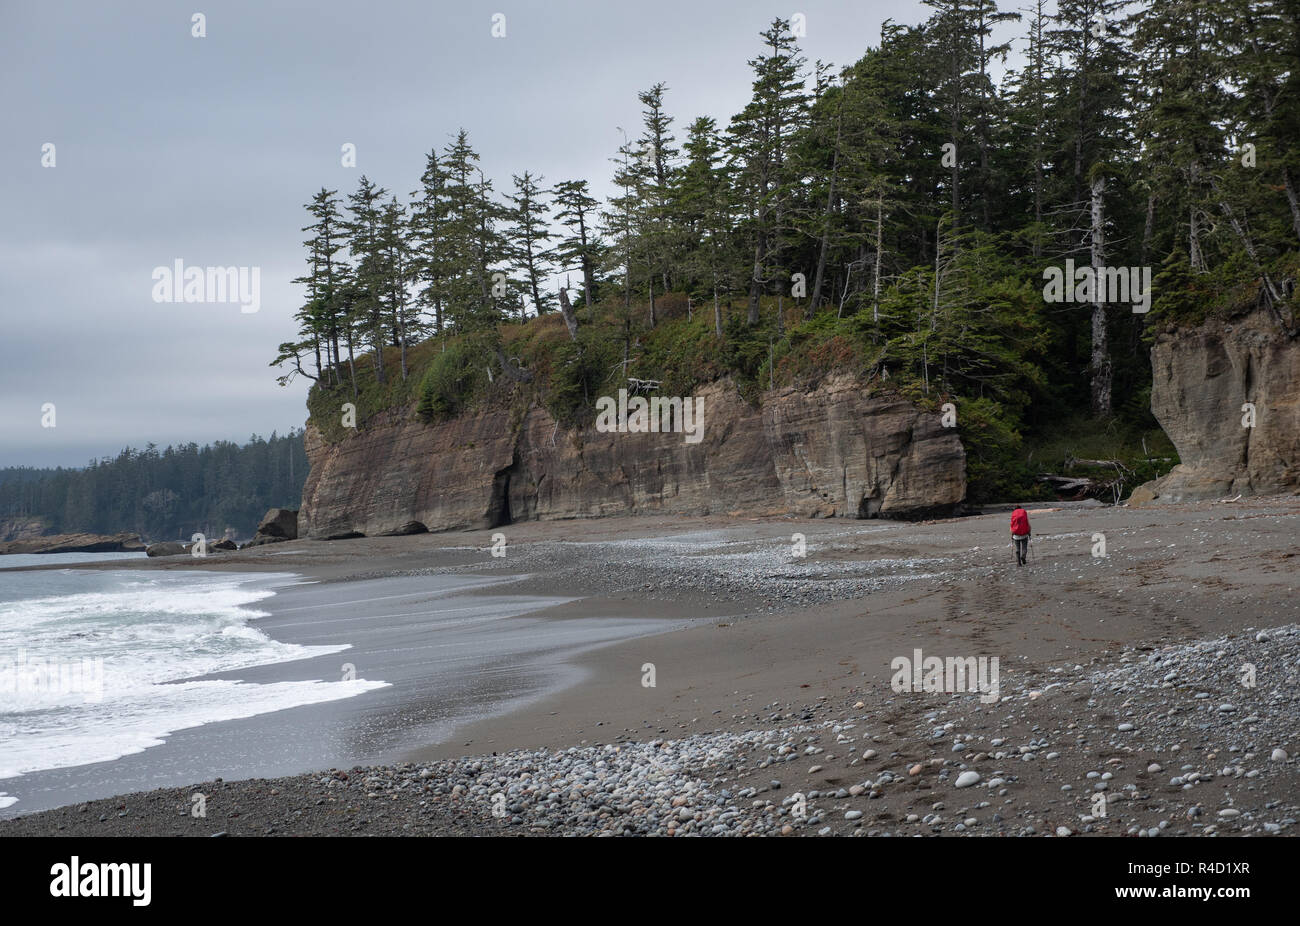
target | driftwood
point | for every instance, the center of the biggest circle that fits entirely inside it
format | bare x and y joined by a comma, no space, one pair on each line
570,320
641,385
1077,488
511,368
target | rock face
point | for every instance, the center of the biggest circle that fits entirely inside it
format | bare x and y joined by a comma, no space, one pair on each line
278,525
1202,378
833,451
22,529
77,543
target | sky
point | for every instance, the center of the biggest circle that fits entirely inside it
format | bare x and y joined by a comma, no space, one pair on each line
168,146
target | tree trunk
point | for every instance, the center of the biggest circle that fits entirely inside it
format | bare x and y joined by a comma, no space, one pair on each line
756,279
352,365
826,227
570,320
1292,200
1194,255
875,283
1100,366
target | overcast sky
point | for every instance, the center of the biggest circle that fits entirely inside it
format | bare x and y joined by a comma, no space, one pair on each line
173,147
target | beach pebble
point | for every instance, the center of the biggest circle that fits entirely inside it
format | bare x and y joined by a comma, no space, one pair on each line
1279,755
966,779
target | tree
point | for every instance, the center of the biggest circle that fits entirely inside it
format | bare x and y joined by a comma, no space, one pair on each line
368,277
581,248
429,256
703,207
759,139
528,236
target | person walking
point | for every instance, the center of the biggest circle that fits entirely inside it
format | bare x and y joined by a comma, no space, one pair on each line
1020,534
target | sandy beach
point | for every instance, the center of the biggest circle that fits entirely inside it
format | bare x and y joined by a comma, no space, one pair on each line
771,708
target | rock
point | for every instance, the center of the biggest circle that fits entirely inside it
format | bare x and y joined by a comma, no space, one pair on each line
1201,377
167,548
1279,755
834,451
410,527
853,815
1064,831
1125,727
869,754
223,545
966,779
278,525
76,543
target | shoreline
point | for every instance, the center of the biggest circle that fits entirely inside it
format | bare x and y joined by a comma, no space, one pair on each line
776,641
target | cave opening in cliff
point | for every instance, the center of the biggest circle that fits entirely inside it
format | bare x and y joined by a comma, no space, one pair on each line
499,506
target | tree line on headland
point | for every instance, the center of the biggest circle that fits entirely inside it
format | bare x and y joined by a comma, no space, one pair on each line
892,219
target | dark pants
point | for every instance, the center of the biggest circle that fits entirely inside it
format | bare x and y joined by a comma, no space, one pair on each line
1022,548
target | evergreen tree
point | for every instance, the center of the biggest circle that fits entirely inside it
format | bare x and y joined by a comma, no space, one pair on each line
759,143
528,237
581,248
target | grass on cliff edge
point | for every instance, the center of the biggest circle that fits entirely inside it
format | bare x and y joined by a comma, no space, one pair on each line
448,375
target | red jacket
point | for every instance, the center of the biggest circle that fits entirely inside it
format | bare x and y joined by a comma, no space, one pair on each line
1019,522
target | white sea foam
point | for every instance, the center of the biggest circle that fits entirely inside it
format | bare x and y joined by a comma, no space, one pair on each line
152,635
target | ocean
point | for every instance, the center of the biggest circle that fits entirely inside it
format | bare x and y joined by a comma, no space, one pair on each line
100,664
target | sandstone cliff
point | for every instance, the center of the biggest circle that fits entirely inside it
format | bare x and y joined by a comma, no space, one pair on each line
830,452
1201,379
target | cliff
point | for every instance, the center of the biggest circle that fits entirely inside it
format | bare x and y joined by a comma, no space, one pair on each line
1201,379
833,451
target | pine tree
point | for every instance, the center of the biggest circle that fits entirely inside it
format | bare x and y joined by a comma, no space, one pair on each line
528,236
703,210
368,278
656,146
429,213
581,248
759,142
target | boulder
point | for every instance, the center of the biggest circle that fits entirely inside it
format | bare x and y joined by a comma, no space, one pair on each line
278,525
167,548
